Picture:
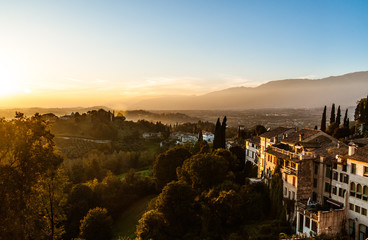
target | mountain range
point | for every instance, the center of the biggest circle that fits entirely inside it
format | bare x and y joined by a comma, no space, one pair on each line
344,90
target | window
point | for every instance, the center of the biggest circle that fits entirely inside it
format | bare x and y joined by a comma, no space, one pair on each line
359,191
341,177
327,187
335,176
293,196
285,192
328,172
334,190
294,180
357,209
364,211
315,168
351,206
353,168
315,182
363,230
334,166
342,192
307,222
352,228
365,193
365,171
344,168
346,178
314,226
352,189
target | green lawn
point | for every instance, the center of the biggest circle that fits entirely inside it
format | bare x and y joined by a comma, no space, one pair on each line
146,172
126,223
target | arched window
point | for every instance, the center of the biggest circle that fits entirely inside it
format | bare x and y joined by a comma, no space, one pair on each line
359,191
352,189
365,193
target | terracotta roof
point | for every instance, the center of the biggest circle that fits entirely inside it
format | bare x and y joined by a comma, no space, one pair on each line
255,140
361,154
293,138
275,132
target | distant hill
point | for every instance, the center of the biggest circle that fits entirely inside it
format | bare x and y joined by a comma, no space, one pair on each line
343,90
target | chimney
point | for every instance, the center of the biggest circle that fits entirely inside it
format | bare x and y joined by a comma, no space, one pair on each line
351,150
300,137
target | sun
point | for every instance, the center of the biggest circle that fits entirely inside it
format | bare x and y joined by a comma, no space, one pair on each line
8,84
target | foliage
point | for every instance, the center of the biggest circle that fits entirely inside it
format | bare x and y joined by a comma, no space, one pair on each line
152,225
164,167
203,171
96,225
332,117
323,121
27,157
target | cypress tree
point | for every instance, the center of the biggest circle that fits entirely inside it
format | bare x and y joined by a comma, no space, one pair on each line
346,123
338,116
323,121
332,118
223,133
217,139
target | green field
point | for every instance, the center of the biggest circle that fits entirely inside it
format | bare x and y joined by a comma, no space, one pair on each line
145,173
126,223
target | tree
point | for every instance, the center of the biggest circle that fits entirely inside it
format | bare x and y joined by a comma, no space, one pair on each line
164,167
323,121
223,133
81,199
218,132
346,121
203,171
259,129
332,117
27,155
152,225
96,225
276,195
338,116
176,203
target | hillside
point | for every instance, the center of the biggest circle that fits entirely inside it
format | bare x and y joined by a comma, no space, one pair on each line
343,90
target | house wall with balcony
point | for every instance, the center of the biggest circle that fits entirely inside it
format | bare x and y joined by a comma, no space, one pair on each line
357,202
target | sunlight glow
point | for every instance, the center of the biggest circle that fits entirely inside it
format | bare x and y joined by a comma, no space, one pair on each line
8,83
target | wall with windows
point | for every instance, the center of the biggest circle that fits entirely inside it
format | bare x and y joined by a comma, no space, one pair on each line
357,212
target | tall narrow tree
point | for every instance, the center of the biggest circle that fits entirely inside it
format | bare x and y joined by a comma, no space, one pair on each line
223,133
217,139
332,117
338,116
323,121
346,123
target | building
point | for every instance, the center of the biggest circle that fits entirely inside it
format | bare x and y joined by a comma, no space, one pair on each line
267,139
208,137
252,150
310,172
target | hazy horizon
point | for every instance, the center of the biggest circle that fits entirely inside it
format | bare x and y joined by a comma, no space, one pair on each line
68,54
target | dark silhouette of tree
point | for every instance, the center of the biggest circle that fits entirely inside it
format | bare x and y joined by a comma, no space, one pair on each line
323,121
217,139
203,171
332,117
338,116
223,133
152,225
346,121
96,225
164,167
177,204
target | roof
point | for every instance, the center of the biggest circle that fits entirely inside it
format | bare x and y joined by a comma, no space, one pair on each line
255,140
275,132
306,133
361,154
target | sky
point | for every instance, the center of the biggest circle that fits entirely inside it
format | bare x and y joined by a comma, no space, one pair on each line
86,53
